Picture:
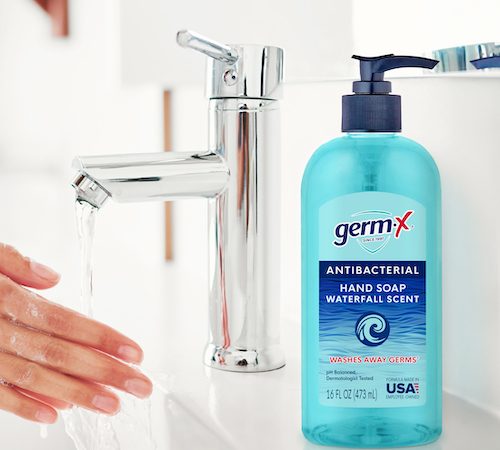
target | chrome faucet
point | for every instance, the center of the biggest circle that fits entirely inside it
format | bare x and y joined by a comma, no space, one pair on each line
240,177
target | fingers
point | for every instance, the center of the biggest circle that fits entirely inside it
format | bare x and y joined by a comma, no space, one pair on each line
25,407
57,404
40,380
72,359
25,271
26,307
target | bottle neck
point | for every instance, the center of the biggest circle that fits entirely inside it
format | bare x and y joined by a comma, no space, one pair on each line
371,112
371,134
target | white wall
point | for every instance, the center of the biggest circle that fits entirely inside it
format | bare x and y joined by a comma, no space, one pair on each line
413,27
316,35
61,97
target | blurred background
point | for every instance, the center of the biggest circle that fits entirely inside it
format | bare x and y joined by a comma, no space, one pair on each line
98,86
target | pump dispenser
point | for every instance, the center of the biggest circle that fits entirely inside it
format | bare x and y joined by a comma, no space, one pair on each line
372,108
371,276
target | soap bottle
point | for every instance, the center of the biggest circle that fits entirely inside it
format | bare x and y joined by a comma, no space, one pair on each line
371,276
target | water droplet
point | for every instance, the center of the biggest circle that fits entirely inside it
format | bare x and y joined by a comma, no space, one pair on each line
44,431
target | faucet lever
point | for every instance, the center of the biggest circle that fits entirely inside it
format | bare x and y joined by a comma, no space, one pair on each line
209,47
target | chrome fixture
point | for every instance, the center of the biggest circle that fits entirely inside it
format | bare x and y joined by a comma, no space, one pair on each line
240,177
457,59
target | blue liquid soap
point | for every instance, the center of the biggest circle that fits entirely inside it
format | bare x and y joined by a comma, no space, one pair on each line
371,277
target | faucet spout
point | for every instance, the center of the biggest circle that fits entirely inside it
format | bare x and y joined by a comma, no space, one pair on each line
150,176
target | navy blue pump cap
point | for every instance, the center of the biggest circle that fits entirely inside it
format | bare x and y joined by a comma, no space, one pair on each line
486,63
371,108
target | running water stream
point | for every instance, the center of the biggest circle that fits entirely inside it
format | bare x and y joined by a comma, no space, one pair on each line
131,428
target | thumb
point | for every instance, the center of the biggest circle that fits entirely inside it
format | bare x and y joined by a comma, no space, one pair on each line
24,270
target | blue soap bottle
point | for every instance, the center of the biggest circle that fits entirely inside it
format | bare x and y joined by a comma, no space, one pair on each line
371,276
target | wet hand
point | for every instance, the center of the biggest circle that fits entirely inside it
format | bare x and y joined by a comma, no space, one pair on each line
52,357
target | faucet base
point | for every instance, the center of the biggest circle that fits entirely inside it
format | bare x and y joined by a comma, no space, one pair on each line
239,360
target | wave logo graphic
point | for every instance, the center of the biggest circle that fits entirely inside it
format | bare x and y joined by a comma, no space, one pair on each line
372,329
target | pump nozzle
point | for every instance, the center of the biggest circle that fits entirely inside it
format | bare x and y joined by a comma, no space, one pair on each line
371,108
372,71
486,63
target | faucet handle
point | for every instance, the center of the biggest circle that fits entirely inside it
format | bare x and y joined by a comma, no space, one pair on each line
209,47
238,71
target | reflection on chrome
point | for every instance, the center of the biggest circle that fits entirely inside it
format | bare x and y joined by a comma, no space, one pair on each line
457,59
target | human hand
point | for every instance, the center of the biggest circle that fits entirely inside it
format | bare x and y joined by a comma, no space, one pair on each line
52,357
